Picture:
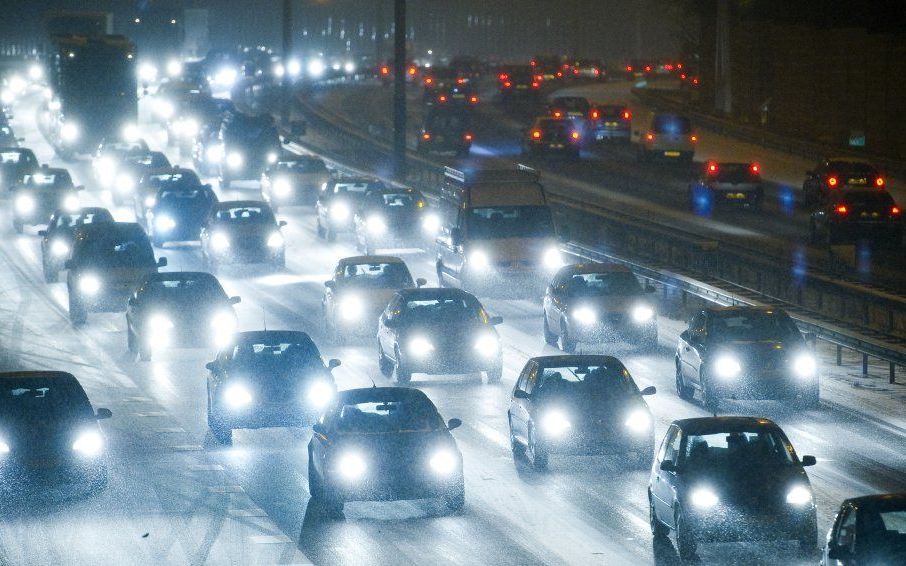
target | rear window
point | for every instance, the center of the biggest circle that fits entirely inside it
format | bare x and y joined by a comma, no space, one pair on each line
672,124
73,220
49,180
606,283
852,169
376,275
734,173
249,214
10,156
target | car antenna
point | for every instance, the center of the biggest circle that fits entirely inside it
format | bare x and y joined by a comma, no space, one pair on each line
264,316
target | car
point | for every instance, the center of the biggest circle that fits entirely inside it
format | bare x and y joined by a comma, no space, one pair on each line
207,150
591,303
8,137
837,174
179,212
611,122
15,164
174,95
518,81
294,180
576,108
458,93
359,290
384,444
109,155
663,135
724,183
107,263
50,435
179,309
197,114
57,239
267,378
150,184
249,145
446,128
855,215
552,136
588,69
868,530
132,168
745,352
438,331
337,204
726,479
243,232
40,194
437,80
579,405
393,217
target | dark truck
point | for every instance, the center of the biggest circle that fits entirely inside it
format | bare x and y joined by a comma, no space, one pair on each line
94,87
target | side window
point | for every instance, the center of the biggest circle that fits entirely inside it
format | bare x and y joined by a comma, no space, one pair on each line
698,324
846,534
668,438
531,379
393,309
670,449
523,377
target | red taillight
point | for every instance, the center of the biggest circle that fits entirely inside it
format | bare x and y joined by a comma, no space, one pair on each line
576,72
503,76
385,70
712,168
467,136
682,77
460,81
565,66
832,181
841,210
628,68
679,66
428,80
412,71
575,135
442,98
507,84
647,68
597,72
539,78
695,81
755,169
536,85
627,114
426,136
894,210
560,74
649,136
557,114
879,182
668,67
536,134
693,138
533,62
473,99
595,114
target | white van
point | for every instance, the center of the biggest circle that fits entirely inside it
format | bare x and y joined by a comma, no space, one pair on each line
663,135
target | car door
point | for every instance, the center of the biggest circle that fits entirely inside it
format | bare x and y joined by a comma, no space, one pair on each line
843,534
559,299
387,335
519,408
684,346
696,347
663,490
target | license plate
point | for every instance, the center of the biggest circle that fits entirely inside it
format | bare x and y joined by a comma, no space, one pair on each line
858,181
869,215
672,153
736,196
521,87
610,124
556,146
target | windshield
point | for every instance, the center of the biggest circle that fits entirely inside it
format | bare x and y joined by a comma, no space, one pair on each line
509,222
74,220
33,399
302,166
185,178
670,124
376,275
110,252
404,415
736,449
584,381
49,180
246,215
359,188
280,355
606,283
183,197
192,291
151,160
442,310
752,326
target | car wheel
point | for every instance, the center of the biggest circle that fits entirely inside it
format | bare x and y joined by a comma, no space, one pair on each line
495,375
686,545
384,364
402,374
78,315
515,446
808,539
685,392
711,400
549,337
565,341
456,500
329,504
536,452
658,529
50,275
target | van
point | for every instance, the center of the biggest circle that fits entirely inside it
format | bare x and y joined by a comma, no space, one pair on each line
663,135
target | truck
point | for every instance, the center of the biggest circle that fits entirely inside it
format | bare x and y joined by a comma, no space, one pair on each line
498,235
94,91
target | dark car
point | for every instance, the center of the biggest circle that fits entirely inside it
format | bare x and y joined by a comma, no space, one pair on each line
590,303
384,444
57,239
179,309
611,122
720,183
132,169
15,164
293,180
150,184
438,331
839,174
869,530
337,204
250,144
107,264
552,136
725,479
50,435
392,217
446,128
437,79
243,232
110,154
8,137
179,212
197,114
270,378
855,215
518,81
458,93
745,353
576,108
360,289
41,194
579,405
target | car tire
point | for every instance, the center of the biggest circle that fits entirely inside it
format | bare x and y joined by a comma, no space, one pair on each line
50,275
564,341
658,529
384,364
78,315
549,337
402,374
516,447
329,505
685,392
686,545
536,453
455,501
221,433
496,374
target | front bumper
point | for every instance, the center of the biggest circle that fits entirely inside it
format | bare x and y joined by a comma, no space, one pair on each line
21,474
268,415
443,363
395,485
591,443
728,524
620,328
763,385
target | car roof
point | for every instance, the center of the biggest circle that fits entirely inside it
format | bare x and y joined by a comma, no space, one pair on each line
39,375
596,267
227,204
433,292
367,394
367,259
576,360
878,498
742,309
711,425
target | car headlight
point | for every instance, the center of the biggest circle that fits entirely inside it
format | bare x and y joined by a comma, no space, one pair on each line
25,204
220,242
237,396
164,109
443,462
104,167
125,183
150,201
59,248
704,498
431,224
479,260
234,160
351,308
187,128
805,365
487,345
224,327
275,240
271,157
159,327
282,188
214,153
553,259
555,423
376,225
69,132
642,313
89,284
89,443
351,466
585,316
71,203
164,223
319,394
4,447
339,211
799,495
226,76
638,421
726,366
420,347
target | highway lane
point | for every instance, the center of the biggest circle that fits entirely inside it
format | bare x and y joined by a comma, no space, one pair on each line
198,501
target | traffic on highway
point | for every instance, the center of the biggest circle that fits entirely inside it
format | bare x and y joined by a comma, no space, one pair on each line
397,298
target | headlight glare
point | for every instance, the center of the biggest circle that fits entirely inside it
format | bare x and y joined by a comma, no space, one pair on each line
351,466
234,160
319,394
642,313
275,240
125,183
431,224
799,495
69,132
487,345
420,346
443,462
351,308
4,447
164,223
555,423
59,248
585,316
237,396
88,443
25,204
638,421
89,284
704,498
727,367
220,242
282,187
805,365
553,259
479,260
376,225
339,211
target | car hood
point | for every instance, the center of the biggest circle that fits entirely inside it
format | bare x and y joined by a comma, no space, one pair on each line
749,483
187,312
372,299
583,406
610,303
761,351
251,230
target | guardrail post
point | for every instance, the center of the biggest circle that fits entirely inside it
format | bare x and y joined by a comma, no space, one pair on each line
864,364
892,378
839,355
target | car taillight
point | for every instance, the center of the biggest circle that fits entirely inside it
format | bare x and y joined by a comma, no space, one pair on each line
428,80
712,168
649,136
557,114
503,76
507,84
559,74
535,85
565,66
426,136
832,181
594,114
473,99
841,210
467,136
693,138
628,68
536,134
755,169
597,72
679,66
576,71
412,71
694,81
879,182
647,68
539,78
575,135
442,98
627,114
385,70
460,81
682,76
894,210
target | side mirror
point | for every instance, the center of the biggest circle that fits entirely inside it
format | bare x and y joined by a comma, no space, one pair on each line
456,236
42,233
668,466
102,414
318,428
211,366
391,322
566,234
650,390
282,223
453,423
809,461
330,284
235,300
685,335
68,264
334,363
162,262
495,320
521,394
421,282
650,288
